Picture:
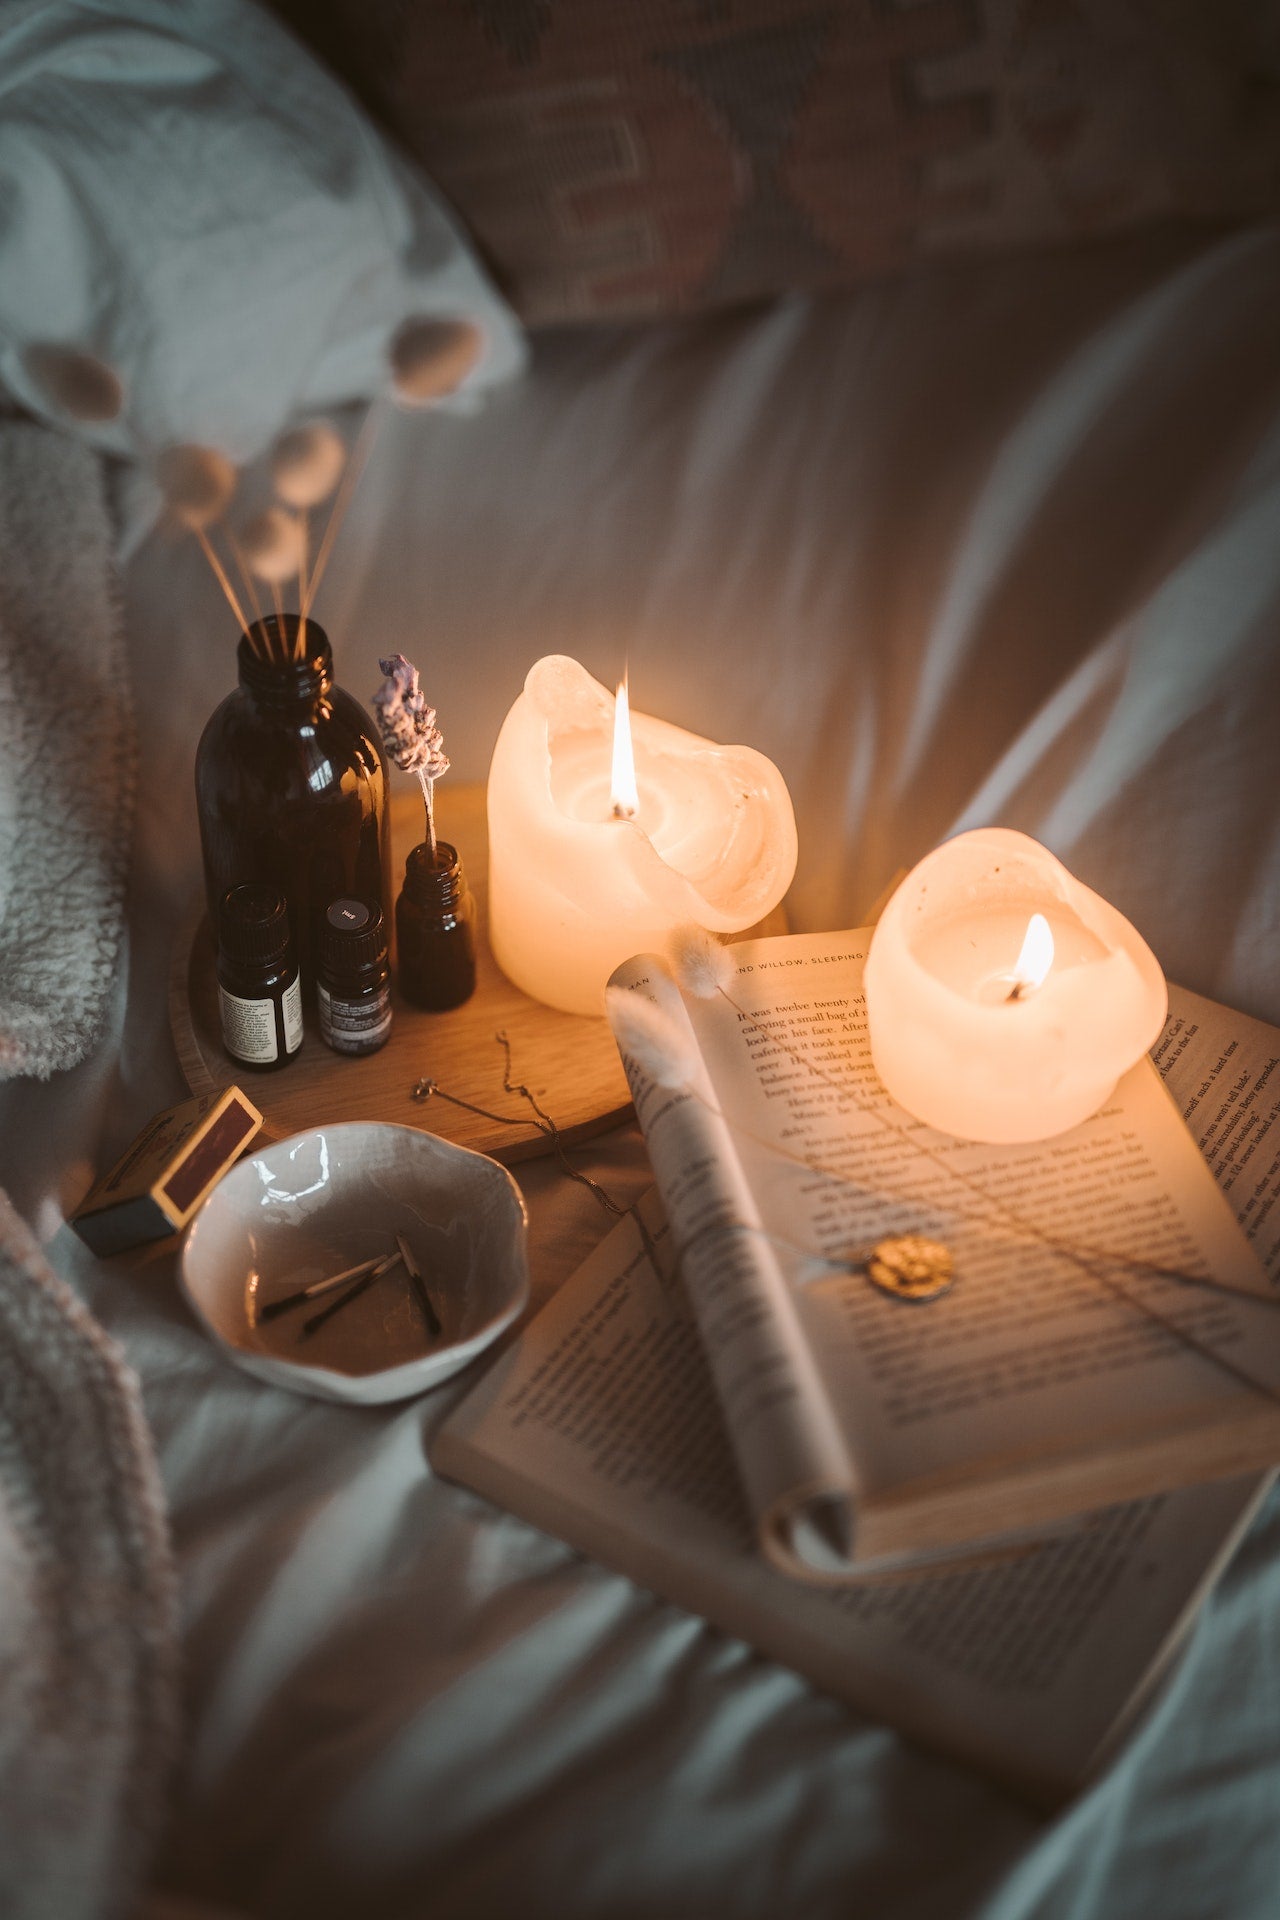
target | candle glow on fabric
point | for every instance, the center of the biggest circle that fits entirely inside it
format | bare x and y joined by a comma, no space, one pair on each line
577,883
1004,998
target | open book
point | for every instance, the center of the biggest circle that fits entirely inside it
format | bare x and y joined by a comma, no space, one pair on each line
1065,1370
602,1425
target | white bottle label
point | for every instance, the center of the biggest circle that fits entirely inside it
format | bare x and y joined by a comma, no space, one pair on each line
354,1026
249,1027
291,1007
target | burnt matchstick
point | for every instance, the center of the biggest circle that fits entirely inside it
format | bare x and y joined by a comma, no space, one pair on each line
318,1287
352,1293
435,1325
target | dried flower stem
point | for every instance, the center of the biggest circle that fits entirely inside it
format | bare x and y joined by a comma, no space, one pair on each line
246,578
428,801
338,512
220,575
299,641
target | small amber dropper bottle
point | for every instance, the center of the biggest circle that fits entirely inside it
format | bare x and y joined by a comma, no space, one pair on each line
436,930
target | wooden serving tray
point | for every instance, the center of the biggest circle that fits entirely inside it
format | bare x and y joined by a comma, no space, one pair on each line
568,1062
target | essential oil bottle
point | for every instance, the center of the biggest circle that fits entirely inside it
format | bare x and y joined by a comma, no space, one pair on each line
436,930
259,991
353,978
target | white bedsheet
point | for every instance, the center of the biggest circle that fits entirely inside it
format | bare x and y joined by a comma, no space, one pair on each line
995,544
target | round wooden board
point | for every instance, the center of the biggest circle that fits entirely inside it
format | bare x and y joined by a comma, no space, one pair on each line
569,1063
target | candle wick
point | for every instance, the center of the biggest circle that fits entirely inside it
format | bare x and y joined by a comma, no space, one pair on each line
1018,991
621,812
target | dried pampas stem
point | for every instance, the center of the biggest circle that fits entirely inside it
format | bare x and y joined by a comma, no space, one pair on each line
701,965
650,1036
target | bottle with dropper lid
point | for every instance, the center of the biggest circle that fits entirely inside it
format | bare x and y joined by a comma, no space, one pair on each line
436,929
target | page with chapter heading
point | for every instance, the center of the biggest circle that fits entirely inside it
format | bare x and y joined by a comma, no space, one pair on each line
1068,1365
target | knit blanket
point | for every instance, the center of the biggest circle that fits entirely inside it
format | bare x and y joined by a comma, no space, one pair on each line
87,1606
67,752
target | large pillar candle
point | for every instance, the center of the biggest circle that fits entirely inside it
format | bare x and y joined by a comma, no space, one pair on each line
582,875
1005,999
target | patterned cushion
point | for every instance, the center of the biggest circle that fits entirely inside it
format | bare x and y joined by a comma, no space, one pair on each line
636,156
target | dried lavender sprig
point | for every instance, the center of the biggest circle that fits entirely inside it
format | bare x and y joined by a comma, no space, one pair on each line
410,734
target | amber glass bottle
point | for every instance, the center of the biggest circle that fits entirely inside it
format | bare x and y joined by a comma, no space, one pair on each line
436,930
258,987
291,784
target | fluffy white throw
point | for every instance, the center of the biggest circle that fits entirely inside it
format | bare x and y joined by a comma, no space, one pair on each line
67,752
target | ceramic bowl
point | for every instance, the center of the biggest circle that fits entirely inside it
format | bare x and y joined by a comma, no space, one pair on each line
318,1203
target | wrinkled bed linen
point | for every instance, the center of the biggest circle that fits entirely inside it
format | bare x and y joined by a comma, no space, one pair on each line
996,544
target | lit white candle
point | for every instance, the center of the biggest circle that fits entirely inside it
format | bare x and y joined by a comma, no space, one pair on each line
603,837
1004,998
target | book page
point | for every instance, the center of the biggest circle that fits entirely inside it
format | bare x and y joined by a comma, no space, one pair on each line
1223,1072
601,1424
792,1456
1063,1369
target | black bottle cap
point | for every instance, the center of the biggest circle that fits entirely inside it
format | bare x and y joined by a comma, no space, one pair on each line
253,924
351,935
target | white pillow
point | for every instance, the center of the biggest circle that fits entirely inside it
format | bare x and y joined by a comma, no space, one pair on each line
188,196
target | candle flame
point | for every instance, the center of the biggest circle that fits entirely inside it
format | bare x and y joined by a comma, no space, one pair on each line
1036,957
626,800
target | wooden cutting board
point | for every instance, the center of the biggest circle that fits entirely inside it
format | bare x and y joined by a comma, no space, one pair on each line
569,1063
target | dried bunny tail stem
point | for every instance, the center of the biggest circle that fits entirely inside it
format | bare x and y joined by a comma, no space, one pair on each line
430,355
246,578
220,575
306,466
338,511
272,542
700,964
650,1036
307,463
299,643
198,483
